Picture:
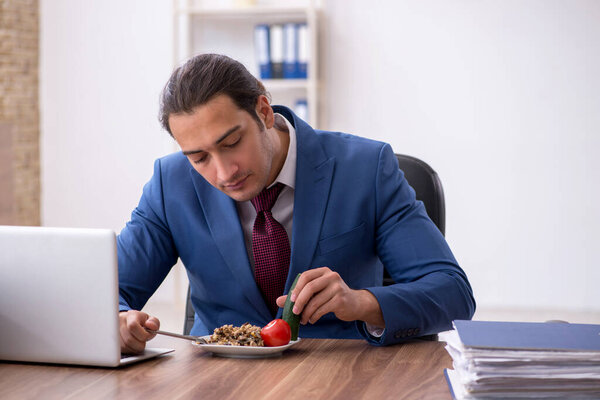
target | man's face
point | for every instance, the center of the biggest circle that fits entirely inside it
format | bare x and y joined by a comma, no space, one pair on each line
226,146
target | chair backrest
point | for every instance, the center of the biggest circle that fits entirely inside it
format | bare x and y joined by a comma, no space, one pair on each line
188,323
428,188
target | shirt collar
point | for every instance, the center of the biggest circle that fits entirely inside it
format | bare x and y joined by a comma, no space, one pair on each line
287,175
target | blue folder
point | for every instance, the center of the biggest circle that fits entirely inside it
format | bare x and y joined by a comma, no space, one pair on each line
303,50
290,52
263,57
276,47
449,382
529,335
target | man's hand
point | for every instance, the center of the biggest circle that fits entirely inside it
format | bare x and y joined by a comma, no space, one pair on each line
132,330
321,290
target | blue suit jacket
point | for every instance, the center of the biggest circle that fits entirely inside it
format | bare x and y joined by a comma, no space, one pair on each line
353,212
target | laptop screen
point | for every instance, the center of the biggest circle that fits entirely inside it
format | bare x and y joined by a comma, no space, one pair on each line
59,295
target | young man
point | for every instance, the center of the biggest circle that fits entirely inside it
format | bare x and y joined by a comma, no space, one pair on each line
257,196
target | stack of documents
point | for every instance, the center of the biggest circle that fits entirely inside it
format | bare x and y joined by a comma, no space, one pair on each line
508,360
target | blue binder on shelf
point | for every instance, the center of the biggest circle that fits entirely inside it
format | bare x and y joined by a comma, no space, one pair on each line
528,335
301,109
303,51
290,51
276,50
263,54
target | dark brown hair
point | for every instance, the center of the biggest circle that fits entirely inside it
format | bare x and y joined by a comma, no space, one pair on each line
205,76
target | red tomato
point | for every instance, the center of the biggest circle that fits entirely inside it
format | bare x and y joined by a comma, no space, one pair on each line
276,333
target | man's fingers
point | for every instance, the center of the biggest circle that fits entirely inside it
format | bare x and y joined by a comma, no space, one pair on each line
281,301
313,284
322,310
306,277
318,302
129,344
135,325
133,347
152,323
132,329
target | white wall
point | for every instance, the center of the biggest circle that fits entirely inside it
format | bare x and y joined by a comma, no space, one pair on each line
102,67
103,64
500,97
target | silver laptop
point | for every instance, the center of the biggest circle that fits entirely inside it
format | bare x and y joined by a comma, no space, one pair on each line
59,297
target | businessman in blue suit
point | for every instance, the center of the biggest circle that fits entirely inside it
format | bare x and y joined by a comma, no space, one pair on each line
342,207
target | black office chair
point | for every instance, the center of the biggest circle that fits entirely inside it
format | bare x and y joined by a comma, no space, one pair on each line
428,188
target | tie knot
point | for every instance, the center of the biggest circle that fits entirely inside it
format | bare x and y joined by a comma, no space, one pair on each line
266,199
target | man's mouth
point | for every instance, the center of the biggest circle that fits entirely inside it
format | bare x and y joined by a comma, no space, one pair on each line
236,185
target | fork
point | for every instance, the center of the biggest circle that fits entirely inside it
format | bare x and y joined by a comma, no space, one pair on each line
196,339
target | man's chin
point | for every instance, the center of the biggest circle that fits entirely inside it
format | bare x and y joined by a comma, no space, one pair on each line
240,195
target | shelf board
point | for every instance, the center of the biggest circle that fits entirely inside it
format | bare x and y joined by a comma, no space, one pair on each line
250,11
284,84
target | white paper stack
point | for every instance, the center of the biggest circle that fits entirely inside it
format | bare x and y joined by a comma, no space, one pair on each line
508,360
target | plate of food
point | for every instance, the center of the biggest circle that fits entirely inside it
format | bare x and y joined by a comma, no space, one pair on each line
245,341
251,341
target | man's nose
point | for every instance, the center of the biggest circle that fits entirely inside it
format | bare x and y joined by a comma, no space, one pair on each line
226,169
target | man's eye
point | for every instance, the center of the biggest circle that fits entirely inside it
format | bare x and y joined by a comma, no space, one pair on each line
200,160
233,144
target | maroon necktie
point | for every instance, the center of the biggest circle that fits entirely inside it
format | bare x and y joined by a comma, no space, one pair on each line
270,247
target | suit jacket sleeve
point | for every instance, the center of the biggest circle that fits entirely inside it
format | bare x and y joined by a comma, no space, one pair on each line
431,289
145,247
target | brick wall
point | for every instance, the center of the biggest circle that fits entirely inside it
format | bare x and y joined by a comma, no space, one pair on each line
19,113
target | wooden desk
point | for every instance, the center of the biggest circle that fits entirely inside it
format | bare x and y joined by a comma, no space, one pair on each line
313,369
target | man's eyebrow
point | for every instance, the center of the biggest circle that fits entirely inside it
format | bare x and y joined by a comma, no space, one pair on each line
219,140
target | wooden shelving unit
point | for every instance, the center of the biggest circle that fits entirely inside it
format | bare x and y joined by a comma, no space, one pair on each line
200,27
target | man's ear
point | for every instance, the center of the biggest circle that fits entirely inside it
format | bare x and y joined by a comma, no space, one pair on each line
264,111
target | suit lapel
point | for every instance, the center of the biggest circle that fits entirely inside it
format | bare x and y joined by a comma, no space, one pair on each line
314,173
224,224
